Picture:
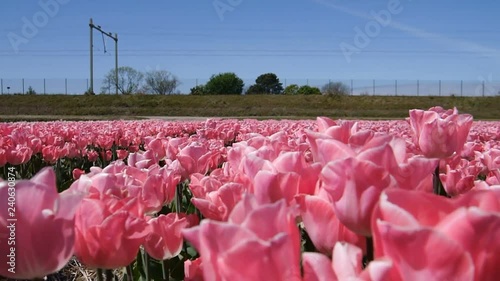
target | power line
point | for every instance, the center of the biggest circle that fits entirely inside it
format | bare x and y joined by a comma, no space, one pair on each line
223,55
329,50
243,53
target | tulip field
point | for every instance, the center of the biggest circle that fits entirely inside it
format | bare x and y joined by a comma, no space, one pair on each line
308,200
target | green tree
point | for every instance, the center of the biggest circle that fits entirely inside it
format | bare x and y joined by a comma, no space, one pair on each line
308,90
161,82
256,90
292,89
267,83
335,89
129,81
31,91
224,84
198,90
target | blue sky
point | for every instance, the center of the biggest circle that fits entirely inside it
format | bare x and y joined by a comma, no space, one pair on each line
423,39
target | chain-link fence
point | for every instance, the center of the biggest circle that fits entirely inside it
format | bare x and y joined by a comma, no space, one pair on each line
356,86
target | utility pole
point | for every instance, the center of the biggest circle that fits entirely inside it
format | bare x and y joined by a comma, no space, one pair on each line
116,63
91,89
110,35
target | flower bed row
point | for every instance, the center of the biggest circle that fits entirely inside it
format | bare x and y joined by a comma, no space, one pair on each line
256,200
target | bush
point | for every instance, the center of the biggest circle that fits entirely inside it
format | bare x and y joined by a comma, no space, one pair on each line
224,84
308,90
31,91
292,89
335,89
89,93
198,90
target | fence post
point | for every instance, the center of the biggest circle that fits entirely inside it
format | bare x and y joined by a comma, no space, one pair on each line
439,87
352,87
373,86
1,85
418,88
44,88
66,86
23,87
461,88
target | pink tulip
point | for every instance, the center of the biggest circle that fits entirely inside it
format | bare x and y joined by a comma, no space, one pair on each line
156,191
77,173
157,146
43,236
493,177
318,215
19,155
455,182
324,123
345,265
196,158
133,148
109,231
355,180
490,159
165,239
355,186
236,155
294,162
330,150
346,133
100,183
121,154
142,160
193,270
92,155
107,155
435,238
416,173
36,145
257,243
317,267
439,133
3,157
270,187
253,163
217,205
200,185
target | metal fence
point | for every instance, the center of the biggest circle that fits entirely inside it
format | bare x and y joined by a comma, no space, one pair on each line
356,86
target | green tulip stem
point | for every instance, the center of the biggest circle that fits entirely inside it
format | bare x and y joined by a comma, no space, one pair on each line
99,275
437,184
369,252
165,269
109,274
130,273
145,261
178,198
